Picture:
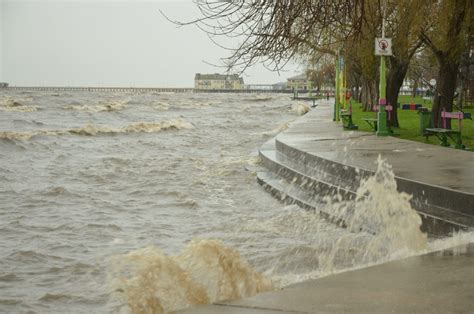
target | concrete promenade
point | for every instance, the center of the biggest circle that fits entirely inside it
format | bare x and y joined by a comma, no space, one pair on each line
439,282
315,150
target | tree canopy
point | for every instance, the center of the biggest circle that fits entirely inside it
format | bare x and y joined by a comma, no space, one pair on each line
275,32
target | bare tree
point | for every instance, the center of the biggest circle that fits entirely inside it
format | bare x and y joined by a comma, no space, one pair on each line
446,40
273,32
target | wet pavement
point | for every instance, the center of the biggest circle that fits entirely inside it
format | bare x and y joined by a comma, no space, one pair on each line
440,179
439,282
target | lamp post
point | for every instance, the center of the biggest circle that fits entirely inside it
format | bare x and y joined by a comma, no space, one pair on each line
383,47
336,92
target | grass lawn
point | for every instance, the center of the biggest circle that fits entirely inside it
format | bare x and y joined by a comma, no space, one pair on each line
410,122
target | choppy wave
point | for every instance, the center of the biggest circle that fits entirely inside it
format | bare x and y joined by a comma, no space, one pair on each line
16,105
102,106
261,98
300,108
277,130
381,226
93,130
206,271
162,106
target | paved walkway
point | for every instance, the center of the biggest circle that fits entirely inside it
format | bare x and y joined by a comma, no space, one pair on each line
440,282
317,134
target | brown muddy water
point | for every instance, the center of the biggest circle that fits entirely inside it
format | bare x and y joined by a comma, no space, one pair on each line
117,202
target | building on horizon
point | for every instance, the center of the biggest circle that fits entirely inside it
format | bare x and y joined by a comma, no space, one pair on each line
218,81
298,82
3,84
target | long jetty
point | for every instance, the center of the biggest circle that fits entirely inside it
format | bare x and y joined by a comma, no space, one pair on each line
141,89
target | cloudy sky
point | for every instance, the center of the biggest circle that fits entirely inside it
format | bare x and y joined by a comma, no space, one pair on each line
107,43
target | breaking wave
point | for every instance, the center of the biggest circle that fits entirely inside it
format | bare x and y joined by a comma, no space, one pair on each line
277,130
150,281
300,108
92,130
100,107
162,106
261,98
380,225
16,105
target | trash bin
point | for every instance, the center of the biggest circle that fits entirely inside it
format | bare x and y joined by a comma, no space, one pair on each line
426,120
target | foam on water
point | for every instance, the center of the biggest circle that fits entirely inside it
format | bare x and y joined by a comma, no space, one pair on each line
101,106
92,130
9,104
206,271
300,108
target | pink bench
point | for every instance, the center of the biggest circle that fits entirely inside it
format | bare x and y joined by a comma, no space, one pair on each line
444,133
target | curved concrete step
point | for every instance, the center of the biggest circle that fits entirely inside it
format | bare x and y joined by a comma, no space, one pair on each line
306,185
450,205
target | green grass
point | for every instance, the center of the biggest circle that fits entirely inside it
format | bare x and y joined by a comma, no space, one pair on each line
409,121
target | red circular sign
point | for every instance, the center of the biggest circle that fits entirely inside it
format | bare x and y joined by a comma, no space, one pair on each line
383,44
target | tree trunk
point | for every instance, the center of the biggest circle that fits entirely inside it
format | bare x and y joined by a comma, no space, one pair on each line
415,87
395,78
369,94
445,90
357,93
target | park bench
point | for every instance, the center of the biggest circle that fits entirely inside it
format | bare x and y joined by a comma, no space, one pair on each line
373,121
411,106
443,134
346,117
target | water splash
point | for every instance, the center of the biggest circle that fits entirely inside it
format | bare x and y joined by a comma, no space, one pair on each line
206,271
387,212
382,224
300,108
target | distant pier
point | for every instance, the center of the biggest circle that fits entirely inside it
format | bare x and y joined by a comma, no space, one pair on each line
100,89
261,89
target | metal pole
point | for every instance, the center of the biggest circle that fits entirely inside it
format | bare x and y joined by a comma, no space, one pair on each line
382,128
336,92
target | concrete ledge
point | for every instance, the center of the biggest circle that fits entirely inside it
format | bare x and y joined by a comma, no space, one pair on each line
439,282
316,150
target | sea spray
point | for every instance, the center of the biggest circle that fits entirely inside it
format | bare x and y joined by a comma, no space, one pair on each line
152,282
300,108
206,271
381,222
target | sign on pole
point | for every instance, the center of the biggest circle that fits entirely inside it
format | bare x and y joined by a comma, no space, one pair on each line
383,46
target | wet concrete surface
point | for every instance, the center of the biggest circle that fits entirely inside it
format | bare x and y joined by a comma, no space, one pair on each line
317,134
439,282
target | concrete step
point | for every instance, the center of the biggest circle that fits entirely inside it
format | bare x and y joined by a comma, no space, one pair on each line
426,197
309,187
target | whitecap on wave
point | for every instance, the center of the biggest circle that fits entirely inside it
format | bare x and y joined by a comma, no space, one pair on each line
92,130
100,107
10,104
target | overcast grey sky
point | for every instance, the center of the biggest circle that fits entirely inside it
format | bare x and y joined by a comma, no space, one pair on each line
107,43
